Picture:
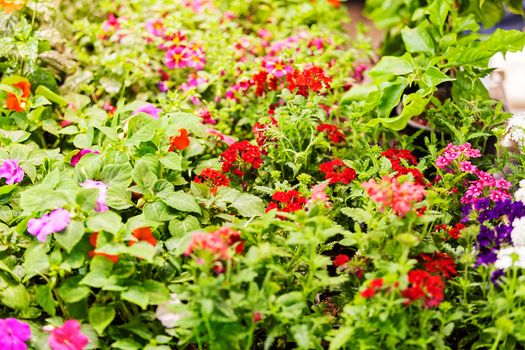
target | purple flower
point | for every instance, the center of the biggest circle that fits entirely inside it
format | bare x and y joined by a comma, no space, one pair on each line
76,158
55,221
11,171
14,334
496,275
102,193
150,109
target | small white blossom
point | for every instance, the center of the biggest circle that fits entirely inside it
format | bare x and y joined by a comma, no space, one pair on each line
165,313
509,256
515,131
520,193
518,232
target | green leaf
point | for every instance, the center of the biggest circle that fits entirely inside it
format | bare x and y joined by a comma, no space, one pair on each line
50,95
248,205
433,77
100,317
158,293
86,198
136,295
182,201
390,96
41,198
359,93
158,212
116,174
36,261
141,250
390,65
44,298
72,292
15,297
106,221
118,198
357,214
414,104
179,228
71,236
141,128
418,39
145,170
172,161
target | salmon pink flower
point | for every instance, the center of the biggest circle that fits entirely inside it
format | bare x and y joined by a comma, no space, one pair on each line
179,142
11,171
14,334
55,221
68,337
216,243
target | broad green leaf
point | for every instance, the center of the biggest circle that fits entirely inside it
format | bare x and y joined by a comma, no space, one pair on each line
391,65
179,228
182,201
100,317
136,295
118,198
433,77
15,297
418,40
141,250
158,293
158,212
44,298
172,161
72,292
71,236
36,260
248,205
106,221
50,95
41,198
390,96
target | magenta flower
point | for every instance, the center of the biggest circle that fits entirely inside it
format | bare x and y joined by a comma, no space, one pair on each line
156,27
197,58
11,171
278,68
150,109
102,193
55,221
68,337
177,57
163,86
14,334
76,158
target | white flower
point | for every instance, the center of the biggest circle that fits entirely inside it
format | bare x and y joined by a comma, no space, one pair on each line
518,232
520,193
165,313
515,130
509,256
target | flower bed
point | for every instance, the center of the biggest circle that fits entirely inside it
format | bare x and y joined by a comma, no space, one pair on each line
242,175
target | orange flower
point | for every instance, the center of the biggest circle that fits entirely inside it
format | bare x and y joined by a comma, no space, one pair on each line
335,3
12,5
15,103
144,234
180,142
93,241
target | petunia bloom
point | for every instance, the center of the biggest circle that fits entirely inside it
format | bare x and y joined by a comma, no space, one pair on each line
68,337
102,193
14,334
11,171
177,57
150,109
55,221
76,158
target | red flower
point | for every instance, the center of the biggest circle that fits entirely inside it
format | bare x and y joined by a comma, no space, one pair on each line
373,287
340,260
15,103
287,202
332,132
93,241
396,155
217,244
456,230
335,3
241,157
337,172
311,79
179,142
440,263
424,286
259,130
143,234
213,179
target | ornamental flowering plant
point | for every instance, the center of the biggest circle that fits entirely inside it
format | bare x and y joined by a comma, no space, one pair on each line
193,175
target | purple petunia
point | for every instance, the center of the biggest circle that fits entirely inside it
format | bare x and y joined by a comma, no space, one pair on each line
76,158
55,221
11,171
102,193
14,334
150,109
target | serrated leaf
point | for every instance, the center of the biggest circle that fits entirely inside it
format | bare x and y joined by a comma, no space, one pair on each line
181,201
357,214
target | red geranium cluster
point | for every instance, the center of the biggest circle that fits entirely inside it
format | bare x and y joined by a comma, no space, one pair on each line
311,79
341,259
395,156
143,234
287,202
332,131
453,232
213,179
337,172
241,157
217,244
424,286
263,82
374,286
440,263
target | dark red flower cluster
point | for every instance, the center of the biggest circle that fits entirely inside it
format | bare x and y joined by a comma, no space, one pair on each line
241,157
440,263
337,172
332,131
341,259
311,79
287,202
453,232
395,156
213,179
372,288
262,83
424,286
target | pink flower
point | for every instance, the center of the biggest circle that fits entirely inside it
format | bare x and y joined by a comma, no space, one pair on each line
442,162
14,334
150,109
177,57
163,86
68,337
467,167
112,23
102,193
278,68
205,115
226,139
11,171
197,58
156,27
55,221
194,81
76,158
